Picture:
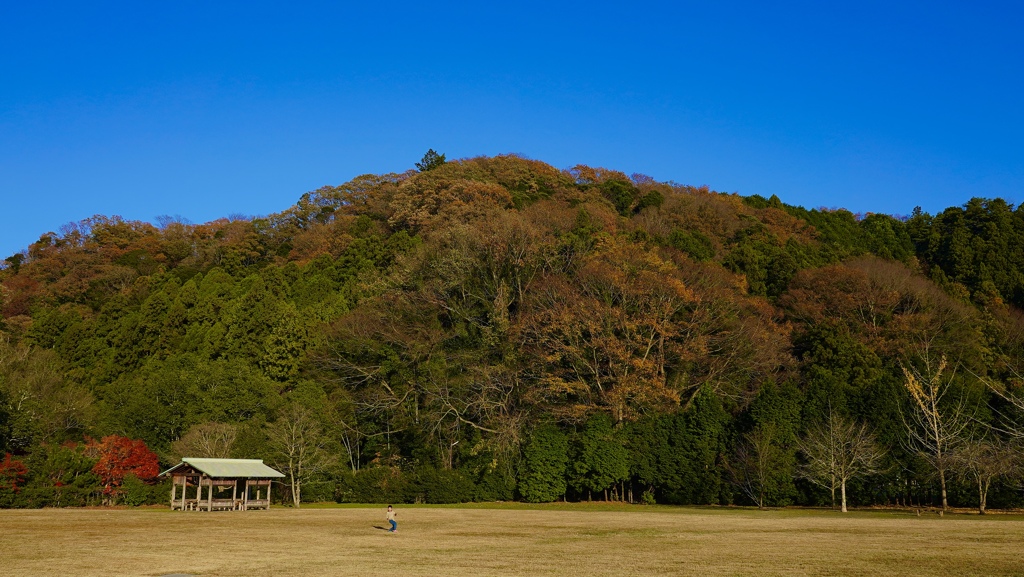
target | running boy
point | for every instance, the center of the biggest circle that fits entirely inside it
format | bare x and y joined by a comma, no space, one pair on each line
391,519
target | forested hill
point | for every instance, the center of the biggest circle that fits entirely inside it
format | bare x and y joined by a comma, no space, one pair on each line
496,328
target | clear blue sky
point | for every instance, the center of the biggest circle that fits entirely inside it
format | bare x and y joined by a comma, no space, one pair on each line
204,109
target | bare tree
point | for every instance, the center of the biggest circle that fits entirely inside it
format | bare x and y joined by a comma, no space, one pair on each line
210,439
757,458
984,461
299,447
936,423
837,451
485,402
1010,419
348,428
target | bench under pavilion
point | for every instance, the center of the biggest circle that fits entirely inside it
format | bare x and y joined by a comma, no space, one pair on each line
220,484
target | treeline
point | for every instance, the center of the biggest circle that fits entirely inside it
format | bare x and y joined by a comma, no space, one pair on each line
497,329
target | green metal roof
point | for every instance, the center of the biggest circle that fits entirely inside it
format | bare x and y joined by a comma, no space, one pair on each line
241,468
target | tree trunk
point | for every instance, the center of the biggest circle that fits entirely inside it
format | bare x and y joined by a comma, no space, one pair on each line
843,490
296,487
833,486
942,481
982,496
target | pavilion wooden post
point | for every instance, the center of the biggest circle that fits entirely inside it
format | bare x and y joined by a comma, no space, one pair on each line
245,496
209,502
234,495
184,486
174,487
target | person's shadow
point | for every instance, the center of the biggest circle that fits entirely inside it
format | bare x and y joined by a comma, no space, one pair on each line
379,527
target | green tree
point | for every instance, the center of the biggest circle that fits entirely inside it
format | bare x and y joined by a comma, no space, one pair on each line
700,447
430,161
677,457
599,458
15,261
839,371
251,320
545,462
285,346
622,194
62,476
693,243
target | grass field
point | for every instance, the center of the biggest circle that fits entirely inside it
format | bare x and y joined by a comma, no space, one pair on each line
505,540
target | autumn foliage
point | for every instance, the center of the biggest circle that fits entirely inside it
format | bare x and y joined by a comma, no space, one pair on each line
119,457
12,474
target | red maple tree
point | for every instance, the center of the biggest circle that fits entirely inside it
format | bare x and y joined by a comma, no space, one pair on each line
119,457
12,473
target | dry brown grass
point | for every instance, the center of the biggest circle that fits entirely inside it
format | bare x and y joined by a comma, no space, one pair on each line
574,540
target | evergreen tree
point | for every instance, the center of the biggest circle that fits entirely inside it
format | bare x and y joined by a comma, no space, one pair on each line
430,161
599,457
545,462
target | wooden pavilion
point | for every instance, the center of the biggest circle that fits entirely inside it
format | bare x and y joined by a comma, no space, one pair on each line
230,484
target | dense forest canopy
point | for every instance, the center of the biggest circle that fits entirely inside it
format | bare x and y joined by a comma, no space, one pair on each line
498,329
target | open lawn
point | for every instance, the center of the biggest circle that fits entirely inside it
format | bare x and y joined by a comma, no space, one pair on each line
505,540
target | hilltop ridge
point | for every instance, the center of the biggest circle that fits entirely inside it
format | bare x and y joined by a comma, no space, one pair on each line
497,328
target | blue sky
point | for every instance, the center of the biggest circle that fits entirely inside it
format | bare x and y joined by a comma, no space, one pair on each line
140,110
